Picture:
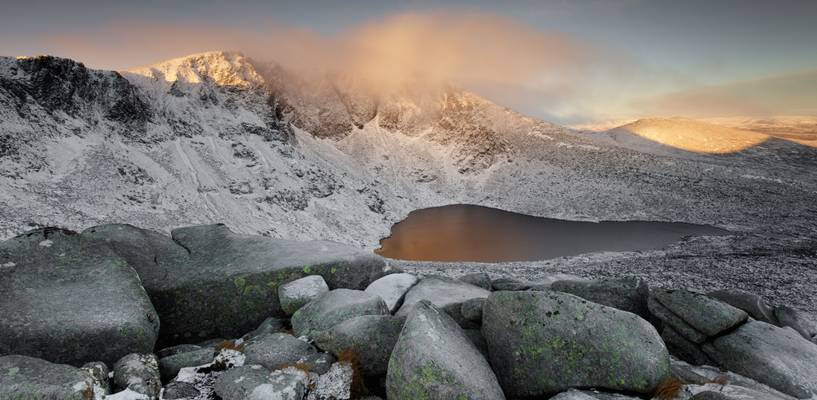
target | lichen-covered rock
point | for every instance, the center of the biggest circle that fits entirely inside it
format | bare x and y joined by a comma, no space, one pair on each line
256,383
333,308
805,324
293,295
392,288
169,366
445,293
627,294
371,337
753,304
71,300
318,363
433,359
544,342
138,373
23,377
693,315
207,281
697,377
777,357
276,350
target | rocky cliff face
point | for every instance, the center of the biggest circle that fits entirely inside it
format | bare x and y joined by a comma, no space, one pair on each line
217,137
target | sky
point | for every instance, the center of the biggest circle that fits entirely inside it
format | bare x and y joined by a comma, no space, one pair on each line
567,61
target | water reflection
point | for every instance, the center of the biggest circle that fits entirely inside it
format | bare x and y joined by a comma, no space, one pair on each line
474,233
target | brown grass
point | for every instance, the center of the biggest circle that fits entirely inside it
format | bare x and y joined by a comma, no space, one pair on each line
351,357
230,344
668,389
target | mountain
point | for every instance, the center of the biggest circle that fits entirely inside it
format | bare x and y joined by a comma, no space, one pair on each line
219,137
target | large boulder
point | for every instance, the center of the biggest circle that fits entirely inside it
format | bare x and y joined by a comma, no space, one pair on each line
694,316
29,378
628,294
392,288
276,350
371,337
753,304
71,300
207,281
433,359
333,308
544,342
479,279
293,295
777,357
445,293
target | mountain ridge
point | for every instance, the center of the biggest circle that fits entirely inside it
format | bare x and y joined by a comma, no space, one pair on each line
268,151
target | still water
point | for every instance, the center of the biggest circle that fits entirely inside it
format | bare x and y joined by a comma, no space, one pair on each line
474,233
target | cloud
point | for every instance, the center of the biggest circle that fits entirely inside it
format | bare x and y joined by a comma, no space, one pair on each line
494,55
790,94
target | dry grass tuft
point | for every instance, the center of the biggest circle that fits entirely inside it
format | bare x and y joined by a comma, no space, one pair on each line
351,357
230,345
668,389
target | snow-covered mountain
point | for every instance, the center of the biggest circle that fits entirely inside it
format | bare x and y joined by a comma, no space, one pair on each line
218,137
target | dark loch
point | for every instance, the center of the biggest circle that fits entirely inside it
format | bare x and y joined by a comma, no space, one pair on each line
474,233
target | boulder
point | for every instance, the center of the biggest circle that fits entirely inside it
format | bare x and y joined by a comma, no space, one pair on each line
23,377
445,293
749,302
479,279
333,308
543,342
627,294
256,383
293,295
276,350
433,359
370,337
138,373
694,316
207,281
471,310
805,324
71,300
777,357
704,375
170,366
392,288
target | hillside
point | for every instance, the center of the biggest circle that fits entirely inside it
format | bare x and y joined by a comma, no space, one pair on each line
218,137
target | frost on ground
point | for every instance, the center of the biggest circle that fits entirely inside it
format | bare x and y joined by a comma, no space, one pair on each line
217,137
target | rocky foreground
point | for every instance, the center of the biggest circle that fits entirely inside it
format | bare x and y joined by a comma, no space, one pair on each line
120,312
